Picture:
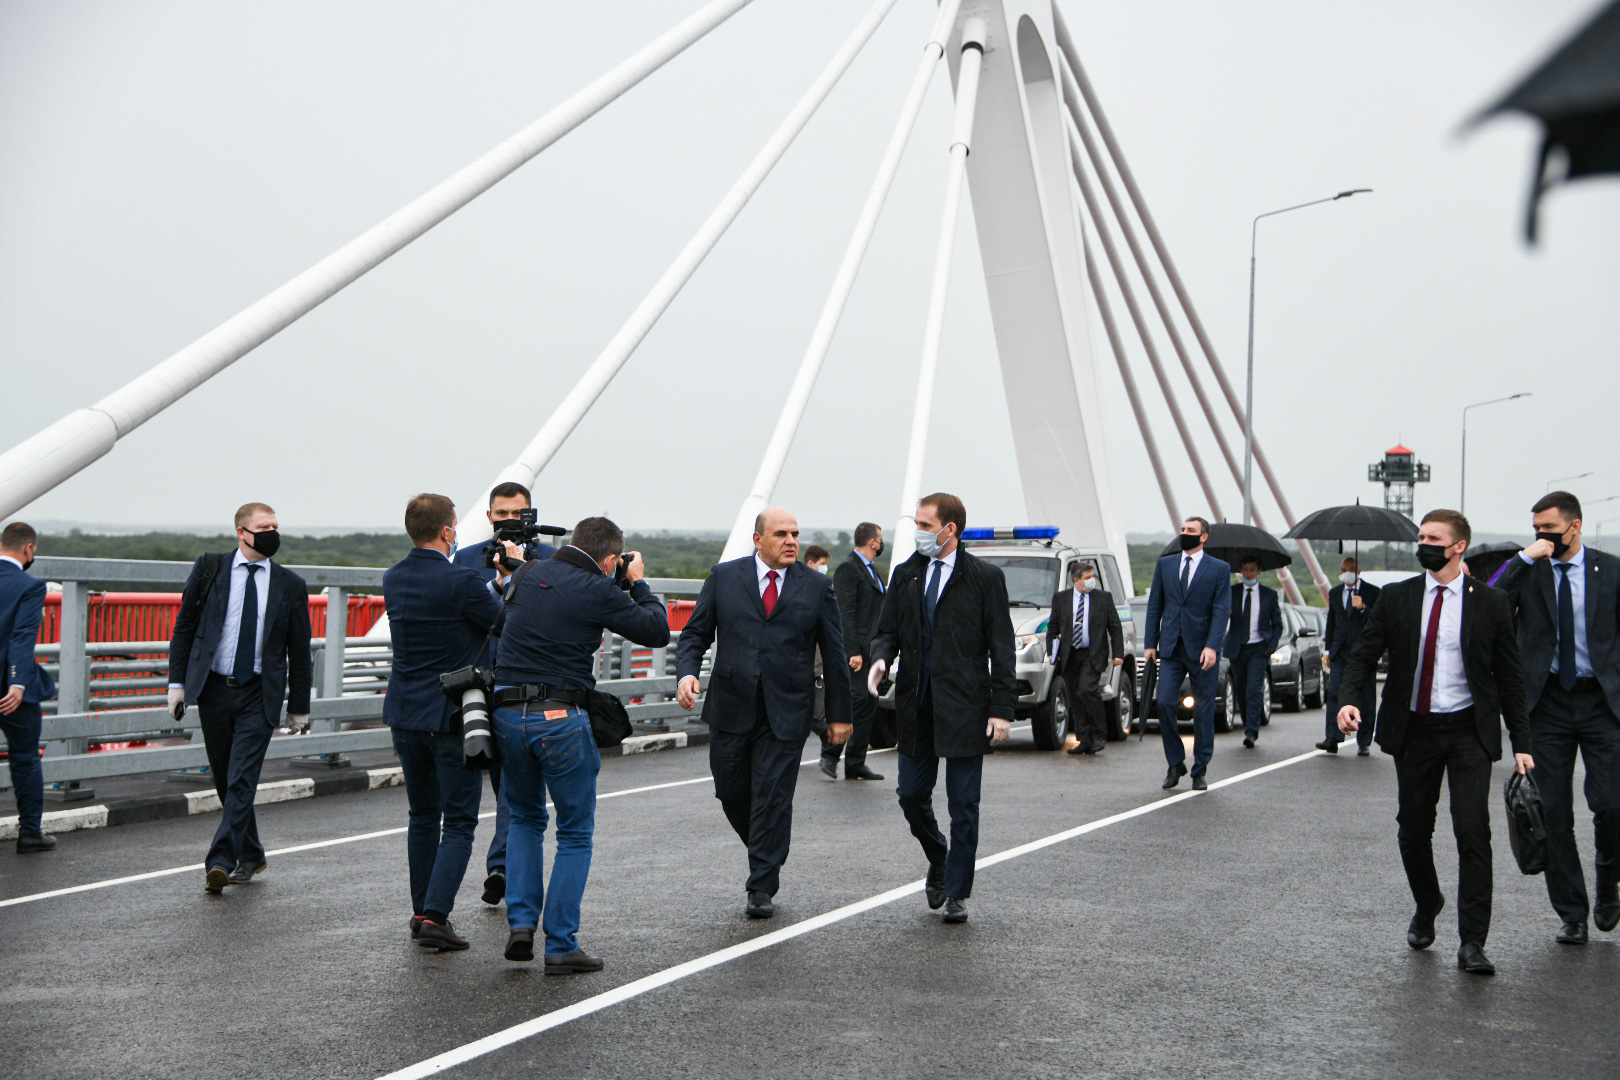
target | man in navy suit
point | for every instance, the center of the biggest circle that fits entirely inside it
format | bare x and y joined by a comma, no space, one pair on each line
240,644
1256,627
1349,604
23,683
769,613
506,503
1187,612
438,617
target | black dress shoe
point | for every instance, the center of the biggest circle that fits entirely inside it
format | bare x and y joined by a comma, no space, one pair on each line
1097,747
1329,745
440,936
1248,742
1362,751
30,842
216,880
1174,775
1200,784
861,772
1472,959
1420,931
1077,749
934,887
520,944
1572,933
829,768
759,905
495,887
1606,912
572,964
955,910
244,873
416,926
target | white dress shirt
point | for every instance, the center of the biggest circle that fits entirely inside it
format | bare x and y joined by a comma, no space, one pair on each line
12,561
225,654
1449,692
949,562
1577,597
1253,597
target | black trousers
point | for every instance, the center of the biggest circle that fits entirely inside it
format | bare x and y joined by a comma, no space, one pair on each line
863,710
1446,746
236,734
1085,699
919,772
1566,721
1368,704
755,774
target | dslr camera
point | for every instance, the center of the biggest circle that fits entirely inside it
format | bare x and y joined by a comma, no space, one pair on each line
522,531
470,687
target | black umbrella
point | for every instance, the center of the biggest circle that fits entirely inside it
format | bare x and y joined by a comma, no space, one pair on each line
1575,93
1487,559
1354,523
1232,543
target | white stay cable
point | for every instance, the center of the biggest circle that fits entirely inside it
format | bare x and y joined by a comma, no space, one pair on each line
38,464
967,94
596,378
787,424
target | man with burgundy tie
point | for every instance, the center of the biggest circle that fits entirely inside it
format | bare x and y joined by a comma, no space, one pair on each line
767,614
1567,596
1454,678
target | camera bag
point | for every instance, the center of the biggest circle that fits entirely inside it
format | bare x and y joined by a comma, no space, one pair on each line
1527,823
610,720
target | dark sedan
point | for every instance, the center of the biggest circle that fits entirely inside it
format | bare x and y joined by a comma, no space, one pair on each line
1296,667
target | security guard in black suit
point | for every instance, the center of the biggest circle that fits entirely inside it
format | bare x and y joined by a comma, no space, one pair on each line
859,587
1349,604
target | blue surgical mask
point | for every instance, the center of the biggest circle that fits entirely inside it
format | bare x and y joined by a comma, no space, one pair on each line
928,544
454,544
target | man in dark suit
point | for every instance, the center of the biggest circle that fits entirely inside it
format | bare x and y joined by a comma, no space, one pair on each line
1349,604
767,614
860,599
947,614
506,503
1188,608
1251,637
241,643
1454,678
438,617
1567,597
23,683
1083,639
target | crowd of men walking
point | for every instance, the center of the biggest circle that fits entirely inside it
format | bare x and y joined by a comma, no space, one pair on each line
799,650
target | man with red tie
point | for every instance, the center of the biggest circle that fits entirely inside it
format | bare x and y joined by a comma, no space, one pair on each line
767,614
1454,677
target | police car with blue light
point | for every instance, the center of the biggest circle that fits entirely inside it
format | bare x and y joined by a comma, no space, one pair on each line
1037,566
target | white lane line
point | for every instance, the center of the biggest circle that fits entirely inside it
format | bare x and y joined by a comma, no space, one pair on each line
546,1021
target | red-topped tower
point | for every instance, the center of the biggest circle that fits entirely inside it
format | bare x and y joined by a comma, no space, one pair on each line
1400,472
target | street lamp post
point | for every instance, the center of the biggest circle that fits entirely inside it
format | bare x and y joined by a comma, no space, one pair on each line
1561,479
1462,483
1605,521
1248,402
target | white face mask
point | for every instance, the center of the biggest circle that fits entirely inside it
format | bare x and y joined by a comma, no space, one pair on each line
1091,584
1348,578
928,544
821,568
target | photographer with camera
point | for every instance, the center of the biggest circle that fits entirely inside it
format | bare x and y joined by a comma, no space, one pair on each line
438,615
512,516
552,625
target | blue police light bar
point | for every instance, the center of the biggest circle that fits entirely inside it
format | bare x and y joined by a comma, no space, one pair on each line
1016,532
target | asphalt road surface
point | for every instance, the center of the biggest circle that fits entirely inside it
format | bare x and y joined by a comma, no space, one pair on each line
1257,930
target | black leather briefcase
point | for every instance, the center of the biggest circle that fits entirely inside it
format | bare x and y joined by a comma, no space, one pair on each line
1527,823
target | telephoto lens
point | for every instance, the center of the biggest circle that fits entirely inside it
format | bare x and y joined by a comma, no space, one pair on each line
477,737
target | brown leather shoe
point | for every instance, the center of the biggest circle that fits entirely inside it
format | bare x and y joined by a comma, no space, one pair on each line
216,880
575,963
441,937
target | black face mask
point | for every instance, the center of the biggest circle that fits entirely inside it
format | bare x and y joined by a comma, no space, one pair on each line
881,549
1189,541
1432,557
266,543
1556,539
27,564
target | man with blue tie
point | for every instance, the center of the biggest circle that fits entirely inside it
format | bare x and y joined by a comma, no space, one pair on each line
23,683
1250,640
1188,609
1567,598
241,644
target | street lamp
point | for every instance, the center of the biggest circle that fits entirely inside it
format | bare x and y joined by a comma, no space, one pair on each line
1462,483
1605,521
1248,405
1561,479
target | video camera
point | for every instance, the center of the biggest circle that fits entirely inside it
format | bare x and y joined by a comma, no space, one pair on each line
522,531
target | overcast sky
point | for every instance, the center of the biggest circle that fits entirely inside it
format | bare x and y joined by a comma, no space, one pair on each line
166,164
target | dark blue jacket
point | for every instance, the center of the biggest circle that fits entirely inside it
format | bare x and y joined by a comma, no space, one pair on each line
473,557
778,652
438,615
22,605
555,616
1197,619
1344,627
1271,623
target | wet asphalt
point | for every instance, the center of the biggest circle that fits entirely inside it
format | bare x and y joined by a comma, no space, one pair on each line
1255,931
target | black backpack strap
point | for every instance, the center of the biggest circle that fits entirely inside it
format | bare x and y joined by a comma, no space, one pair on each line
211,564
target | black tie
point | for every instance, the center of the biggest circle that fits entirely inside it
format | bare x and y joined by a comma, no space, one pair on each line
248,631
1248,594
1566,628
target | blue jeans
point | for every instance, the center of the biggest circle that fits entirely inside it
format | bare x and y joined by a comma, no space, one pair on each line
22,729
1204,684
538,756
443,796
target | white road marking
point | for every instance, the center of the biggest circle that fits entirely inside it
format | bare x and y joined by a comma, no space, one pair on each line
546,1021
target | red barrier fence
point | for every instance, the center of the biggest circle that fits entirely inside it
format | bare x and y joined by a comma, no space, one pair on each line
150,616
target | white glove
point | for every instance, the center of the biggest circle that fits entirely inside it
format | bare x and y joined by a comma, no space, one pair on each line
874,675
297,724
177,702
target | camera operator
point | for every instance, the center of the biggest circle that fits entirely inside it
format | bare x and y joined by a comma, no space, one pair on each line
506,505
550,631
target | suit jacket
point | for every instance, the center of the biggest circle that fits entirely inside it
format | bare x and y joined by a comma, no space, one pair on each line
285,667
1344,627
1490,662
1197,619
776,653
970,668
22,606
1106,635
860,601
1271,623
1534,593
438,616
